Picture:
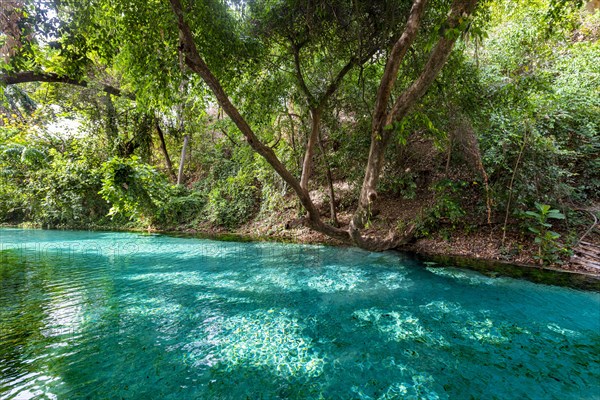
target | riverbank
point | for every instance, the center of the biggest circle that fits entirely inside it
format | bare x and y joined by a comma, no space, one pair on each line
483,242
551,275
475,251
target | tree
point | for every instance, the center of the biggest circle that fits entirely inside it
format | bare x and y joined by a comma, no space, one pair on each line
150,59
456,22
352,33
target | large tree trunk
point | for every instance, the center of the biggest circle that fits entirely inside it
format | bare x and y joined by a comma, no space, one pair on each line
368,192
315,115
383,119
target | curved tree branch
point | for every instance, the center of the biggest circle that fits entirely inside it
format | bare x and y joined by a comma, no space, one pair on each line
437,59
382,118
198,66
316,108
335,83
394,60
30,76
301,81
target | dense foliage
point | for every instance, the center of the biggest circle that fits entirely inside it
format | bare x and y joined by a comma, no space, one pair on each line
100,99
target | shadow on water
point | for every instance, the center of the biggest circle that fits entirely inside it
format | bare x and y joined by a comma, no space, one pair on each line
534,274
231,321
491,268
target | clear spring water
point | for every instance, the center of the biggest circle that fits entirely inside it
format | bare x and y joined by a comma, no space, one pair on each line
120,315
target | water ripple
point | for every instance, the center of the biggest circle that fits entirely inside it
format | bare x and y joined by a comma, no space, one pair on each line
111,315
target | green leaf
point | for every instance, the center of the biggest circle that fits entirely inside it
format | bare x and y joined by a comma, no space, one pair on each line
533,214
556,214
544,208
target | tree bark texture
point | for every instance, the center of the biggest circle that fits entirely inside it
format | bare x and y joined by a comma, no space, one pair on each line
315,115
329,175
186,139
163,148
383,118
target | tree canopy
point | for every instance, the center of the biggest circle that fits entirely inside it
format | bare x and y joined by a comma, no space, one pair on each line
318,92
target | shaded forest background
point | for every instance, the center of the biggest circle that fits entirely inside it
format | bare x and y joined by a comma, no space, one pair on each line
107,123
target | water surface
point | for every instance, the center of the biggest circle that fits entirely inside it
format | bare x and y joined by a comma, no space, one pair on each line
121,315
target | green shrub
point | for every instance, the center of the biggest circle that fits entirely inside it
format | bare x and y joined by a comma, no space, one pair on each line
182,207
542,118
446,210
402,184
134,189
233,201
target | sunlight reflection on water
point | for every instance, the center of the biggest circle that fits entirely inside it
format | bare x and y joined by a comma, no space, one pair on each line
119,315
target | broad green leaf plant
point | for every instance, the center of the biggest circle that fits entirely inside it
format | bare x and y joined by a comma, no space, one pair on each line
545,238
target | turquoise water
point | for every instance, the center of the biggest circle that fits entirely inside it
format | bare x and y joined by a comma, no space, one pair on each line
121,315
